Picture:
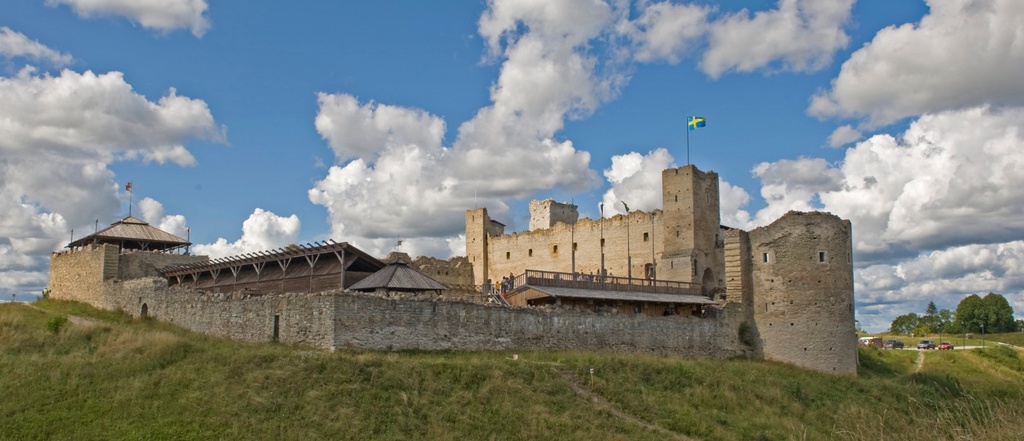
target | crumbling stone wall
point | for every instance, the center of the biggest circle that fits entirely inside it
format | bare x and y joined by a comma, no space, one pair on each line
547,213
133,264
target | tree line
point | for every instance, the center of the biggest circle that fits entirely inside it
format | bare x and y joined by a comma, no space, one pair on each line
991,314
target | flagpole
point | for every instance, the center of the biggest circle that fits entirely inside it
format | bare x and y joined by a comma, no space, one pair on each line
687,140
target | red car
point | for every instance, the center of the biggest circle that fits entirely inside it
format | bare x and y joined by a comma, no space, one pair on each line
945,345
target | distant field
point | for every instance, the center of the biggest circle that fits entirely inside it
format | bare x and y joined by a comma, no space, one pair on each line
100,375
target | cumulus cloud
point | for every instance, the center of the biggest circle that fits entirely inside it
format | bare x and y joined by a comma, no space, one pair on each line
403,183
961,55
160,15
58,137
843,136
366,131
263,230
98,116
15,44
667,31
944,277
732,200
800,36
948,180
794,185
153,213
636,180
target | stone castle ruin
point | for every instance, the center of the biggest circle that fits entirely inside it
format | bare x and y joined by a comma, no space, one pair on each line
670,281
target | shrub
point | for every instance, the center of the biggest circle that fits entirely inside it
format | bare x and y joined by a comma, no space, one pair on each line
55,324
747,336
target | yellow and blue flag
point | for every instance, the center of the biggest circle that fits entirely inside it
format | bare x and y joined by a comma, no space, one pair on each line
695,121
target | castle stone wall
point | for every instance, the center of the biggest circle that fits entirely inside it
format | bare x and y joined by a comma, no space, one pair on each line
371,321
301,318
803,291
514,253
366,321
79,275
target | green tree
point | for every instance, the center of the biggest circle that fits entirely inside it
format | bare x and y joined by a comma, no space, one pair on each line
968,314
947,321
904,324
929,322
996,313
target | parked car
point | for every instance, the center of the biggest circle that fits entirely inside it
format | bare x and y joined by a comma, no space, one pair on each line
870,341
894,344
945,345
926,344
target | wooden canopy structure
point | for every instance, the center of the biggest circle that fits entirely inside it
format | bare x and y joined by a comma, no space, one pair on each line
293,269
132,233
650,297
398,276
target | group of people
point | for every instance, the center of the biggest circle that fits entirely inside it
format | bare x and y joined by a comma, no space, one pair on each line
506,284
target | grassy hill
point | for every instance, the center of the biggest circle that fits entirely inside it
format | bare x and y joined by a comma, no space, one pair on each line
70,372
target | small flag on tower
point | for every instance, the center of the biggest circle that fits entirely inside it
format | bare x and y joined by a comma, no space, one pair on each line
695,121
128,187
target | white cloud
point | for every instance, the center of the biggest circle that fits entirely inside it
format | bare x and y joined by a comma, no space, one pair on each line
948,180
153,213
369,130
161,15
15,44
58,137
732,199
801,35
962,54
97,116
667,31
405,184
793,185
262,231
944,277
843,136
636,180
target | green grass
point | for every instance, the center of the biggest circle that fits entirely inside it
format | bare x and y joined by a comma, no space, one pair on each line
112,377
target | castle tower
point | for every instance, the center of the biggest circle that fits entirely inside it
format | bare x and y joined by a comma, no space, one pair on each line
479,226
547,213
690,227
803,291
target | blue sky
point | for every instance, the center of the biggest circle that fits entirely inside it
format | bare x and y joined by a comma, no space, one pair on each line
259,124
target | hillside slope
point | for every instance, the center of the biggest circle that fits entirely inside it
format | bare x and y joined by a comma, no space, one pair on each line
70,372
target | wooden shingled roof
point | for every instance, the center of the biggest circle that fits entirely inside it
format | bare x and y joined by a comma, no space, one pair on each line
398,276
133,233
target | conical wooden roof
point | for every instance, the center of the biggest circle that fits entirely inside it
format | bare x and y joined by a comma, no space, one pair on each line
133,233
398,276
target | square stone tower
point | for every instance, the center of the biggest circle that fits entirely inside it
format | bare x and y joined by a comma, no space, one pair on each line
547,213
690,225
479,227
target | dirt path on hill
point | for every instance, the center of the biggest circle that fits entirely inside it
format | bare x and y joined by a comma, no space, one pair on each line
919,363
601,404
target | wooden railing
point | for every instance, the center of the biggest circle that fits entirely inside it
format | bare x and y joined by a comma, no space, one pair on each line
586,281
